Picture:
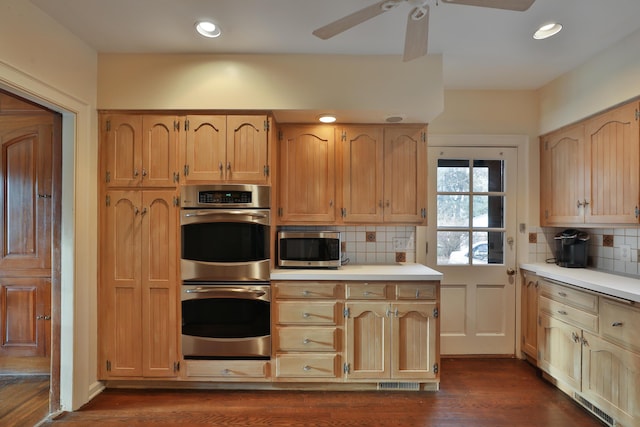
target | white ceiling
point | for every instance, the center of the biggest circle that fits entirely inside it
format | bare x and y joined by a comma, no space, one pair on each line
481,48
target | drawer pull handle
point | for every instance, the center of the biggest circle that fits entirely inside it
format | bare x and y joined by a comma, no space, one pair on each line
306,315
306,341
562,294
305,293
564,313
306,368
614,324
366,293
226,372
417,293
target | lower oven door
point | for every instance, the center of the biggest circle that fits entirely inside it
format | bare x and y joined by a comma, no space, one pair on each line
226,321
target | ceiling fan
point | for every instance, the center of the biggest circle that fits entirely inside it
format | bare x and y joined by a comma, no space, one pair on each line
416,38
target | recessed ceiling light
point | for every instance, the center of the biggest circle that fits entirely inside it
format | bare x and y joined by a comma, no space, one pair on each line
208,29
547,30
327,118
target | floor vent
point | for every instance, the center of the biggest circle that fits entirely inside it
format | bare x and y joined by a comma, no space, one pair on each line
399,386
608,419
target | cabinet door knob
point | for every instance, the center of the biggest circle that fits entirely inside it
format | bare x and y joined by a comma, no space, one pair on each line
614,324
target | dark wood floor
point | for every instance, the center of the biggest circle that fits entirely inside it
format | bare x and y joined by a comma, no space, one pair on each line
474,393
24,399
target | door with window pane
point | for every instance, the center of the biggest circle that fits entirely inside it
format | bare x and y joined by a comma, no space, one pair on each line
471,241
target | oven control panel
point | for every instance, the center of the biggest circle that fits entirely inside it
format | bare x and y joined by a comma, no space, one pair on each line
224,197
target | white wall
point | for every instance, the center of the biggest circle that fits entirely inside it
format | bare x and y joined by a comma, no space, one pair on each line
43,62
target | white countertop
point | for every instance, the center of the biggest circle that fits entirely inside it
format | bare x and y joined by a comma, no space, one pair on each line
400,271
627,288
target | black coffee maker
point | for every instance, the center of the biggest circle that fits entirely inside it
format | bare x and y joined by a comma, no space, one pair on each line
572,248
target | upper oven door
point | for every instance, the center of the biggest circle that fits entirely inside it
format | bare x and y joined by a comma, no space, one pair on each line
225,245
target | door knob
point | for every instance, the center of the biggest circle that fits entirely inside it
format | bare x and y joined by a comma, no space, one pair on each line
511,271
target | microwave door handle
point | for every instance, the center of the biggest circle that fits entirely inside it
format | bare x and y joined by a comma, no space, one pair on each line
226,293
239,213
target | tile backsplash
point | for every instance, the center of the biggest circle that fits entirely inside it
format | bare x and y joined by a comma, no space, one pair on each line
605,251
372,244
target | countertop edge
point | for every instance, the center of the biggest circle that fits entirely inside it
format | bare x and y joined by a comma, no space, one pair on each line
399,272
626,288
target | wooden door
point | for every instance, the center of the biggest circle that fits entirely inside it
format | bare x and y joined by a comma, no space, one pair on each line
362,174
26,195
247,149
562,177
560,351
205,149
25,324
368,340
529,314
405,175
159,256
611,378
122,137
120,289
612,159
413,338
159,167
307,181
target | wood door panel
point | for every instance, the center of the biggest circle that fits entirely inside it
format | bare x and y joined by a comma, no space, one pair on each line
159,151
26,199
122,150
368,333
414,330
247,149
25,323
205,150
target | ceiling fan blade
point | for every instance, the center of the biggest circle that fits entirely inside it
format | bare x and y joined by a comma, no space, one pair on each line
517,5
417,35
354,19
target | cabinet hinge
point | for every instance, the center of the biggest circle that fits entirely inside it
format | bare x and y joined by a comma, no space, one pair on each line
176,125
279,211
176,200
346,312
436,313
423,213
436,368
343,137
107,177
108,366
186,124
108,125
546,213
637,114
423,136
176,366
107,200
266,125
176,177
637,211
280,137
343,212
185,171
346,368
266,170
426,248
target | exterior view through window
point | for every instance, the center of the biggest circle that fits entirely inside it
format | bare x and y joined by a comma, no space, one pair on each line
470,209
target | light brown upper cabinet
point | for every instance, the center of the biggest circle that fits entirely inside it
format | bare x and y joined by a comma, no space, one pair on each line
307,179
220,148
140,150
383,174
590,173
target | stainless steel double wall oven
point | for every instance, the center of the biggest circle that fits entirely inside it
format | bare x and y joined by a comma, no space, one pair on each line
225,267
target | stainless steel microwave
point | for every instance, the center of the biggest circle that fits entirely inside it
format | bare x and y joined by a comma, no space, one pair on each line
309,249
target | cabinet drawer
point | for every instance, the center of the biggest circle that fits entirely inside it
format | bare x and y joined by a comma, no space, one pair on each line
569,314
226,369
307,366
415,291
307,290
307,313
307,339
620,323
570,296
366,290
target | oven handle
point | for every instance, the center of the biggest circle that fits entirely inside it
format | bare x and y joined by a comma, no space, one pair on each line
226,293
240,213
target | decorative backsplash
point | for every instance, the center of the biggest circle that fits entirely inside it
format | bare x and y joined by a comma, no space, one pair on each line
372,244
606,247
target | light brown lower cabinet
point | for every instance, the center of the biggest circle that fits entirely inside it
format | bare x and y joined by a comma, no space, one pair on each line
588,347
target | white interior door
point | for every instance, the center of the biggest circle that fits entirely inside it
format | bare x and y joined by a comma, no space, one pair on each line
471,238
